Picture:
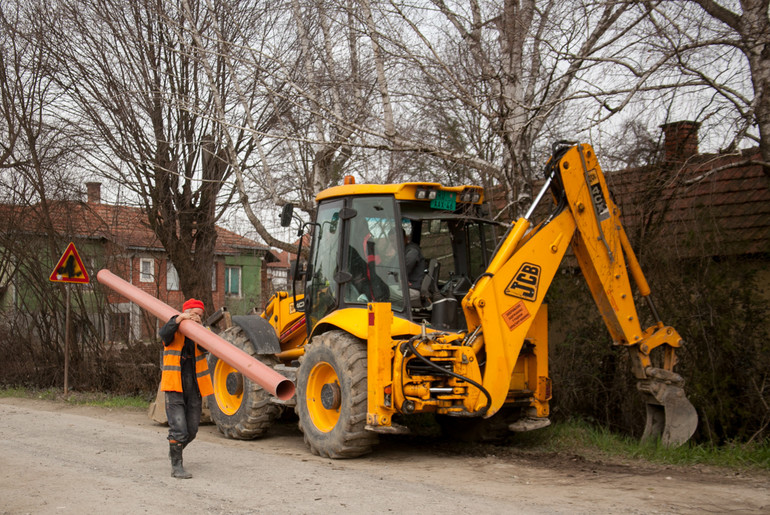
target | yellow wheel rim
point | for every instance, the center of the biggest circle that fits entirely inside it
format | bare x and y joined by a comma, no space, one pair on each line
228,402
324,419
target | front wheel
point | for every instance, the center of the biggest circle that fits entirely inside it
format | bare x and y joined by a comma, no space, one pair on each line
332,396
240,408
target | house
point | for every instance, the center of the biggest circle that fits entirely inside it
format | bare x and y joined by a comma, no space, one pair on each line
280,271
119,238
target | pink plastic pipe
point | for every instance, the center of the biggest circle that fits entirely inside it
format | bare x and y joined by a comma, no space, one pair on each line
252,368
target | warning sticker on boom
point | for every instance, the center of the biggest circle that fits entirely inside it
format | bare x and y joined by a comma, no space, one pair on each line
516,316
597,197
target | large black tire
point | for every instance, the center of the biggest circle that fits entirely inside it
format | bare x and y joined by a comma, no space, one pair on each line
240,408
334,365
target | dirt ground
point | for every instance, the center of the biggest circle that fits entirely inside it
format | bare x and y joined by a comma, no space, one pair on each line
62,459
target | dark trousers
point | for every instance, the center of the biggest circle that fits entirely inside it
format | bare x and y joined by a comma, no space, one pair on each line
183,410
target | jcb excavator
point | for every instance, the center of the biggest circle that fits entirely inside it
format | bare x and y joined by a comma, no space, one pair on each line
468,341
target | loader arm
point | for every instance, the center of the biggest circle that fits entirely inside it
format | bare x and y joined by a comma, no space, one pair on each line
503,303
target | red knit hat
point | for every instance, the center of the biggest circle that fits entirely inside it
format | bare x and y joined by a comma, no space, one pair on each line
192,303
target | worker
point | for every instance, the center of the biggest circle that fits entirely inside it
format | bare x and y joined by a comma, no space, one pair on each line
185,381
391,246
366,275
415,269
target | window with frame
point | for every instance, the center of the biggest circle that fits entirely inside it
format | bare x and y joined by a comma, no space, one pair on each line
321,280
146,270
280,279
373,257
214,277
233,281
172,277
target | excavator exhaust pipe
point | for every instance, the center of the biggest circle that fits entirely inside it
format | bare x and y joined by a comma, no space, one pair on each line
670,415
252,368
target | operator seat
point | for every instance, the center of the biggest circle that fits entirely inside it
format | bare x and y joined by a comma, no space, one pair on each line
443,309
429,285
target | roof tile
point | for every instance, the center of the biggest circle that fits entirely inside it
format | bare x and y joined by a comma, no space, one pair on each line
123,225
727,208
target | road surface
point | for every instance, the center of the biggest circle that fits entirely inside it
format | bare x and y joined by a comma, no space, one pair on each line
62,459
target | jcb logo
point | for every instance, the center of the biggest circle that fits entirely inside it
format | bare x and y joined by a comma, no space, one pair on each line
525,282
298,306
597,197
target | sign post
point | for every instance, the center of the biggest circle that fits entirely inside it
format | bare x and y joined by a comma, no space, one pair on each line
68,270
67,341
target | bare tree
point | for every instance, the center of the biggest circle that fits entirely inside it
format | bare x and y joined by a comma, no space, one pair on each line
744,26
38,150
310,70
439,88
138,88
471,87
709,68
40,154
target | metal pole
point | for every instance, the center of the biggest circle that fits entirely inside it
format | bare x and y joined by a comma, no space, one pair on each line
67,340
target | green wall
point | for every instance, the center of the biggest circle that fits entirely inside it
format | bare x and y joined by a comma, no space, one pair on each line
251,283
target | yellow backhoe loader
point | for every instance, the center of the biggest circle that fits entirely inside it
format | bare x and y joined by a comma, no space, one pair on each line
470,340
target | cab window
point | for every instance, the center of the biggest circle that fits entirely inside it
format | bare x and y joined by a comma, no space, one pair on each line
373,256
321,282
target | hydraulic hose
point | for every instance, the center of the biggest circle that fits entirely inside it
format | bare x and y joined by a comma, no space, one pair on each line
410,346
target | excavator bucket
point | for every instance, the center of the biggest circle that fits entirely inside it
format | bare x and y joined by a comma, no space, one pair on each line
670,415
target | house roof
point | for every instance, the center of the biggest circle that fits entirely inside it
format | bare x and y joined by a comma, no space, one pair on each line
283,258
703,205
122,225
713,204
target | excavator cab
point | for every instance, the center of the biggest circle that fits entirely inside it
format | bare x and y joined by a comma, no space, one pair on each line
359,245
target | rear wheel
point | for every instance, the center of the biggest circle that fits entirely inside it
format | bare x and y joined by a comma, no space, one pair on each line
332,396
240,408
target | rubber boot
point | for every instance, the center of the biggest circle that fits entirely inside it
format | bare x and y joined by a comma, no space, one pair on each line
175,452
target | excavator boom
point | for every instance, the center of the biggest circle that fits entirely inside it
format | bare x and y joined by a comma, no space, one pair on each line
608,263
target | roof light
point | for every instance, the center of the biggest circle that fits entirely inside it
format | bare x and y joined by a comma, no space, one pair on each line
476,197
421,194
349,179
432,194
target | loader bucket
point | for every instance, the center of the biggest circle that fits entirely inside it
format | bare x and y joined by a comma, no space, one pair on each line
670,415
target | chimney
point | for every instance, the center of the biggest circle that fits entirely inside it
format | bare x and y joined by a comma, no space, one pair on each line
680,141
94,192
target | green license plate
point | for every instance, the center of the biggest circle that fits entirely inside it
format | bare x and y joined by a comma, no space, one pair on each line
444,200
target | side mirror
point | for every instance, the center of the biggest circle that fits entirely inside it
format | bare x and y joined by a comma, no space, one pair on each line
286,214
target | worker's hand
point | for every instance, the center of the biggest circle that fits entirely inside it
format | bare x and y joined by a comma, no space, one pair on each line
189,315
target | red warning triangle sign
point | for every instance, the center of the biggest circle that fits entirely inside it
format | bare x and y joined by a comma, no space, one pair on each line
70,268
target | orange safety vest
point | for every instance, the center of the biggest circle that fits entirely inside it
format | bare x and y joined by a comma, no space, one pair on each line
171,380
